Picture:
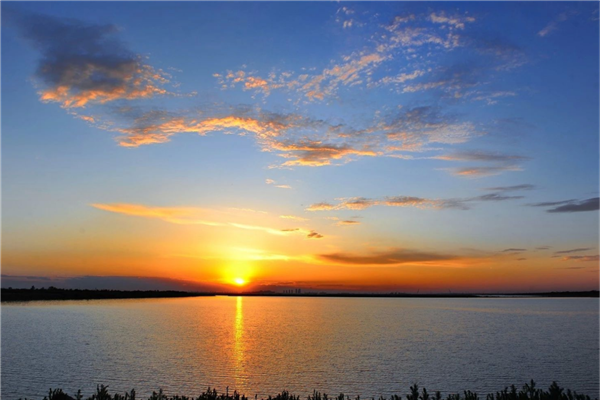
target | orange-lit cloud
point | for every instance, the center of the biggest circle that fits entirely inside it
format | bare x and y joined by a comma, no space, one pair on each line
84,63
348,223
457,21
293,217
317,153
192,216
478,172
595,258
272,182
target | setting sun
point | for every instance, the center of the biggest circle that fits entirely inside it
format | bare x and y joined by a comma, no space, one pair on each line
239,281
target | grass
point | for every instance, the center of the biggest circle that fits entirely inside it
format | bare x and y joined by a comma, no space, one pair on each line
528,392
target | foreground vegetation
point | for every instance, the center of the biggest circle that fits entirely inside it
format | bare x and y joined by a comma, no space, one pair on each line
528,392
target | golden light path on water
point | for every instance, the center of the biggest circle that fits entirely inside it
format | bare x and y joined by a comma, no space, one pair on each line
239,345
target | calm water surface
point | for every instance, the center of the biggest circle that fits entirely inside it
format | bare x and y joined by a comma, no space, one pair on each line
263,345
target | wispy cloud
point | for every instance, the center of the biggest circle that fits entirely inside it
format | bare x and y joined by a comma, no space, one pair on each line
481,156
553,25
397,39
413,129
525,186
346,17
569,206
491,98
389,257
272,182
293,217
361,203
348,223
456,21
195,216
595,258
580,249
500,162
513,250
478,172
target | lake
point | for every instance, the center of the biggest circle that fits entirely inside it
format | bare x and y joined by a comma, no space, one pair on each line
262,345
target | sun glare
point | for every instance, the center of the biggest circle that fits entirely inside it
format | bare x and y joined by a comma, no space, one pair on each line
239,281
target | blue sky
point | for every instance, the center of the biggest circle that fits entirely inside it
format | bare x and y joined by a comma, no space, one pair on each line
429,138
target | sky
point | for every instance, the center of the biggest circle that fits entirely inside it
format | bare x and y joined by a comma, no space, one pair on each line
329,146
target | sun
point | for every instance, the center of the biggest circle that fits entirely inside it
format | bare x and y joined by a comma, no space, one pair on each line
239,281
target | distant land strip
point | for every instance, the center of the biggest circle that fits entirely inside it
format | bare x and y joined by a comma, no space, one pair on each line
52,293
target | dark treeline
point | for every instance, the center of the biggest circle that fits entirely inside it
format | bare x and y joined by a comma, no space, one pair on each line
52,293
589,293
527,392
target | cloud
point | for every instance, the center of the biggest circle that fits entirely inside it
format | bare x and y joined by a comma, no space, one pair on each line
553,25
348,223
272,182
568,206
321,207
176,215
316,153
481,156
513,250
84,63
525,186
456,21
451,82
293,217
595,258
482,171
392,257
156,127
273,132
492,98
551,203
578,206
400,78
314,235
194,216
495,197
95,67
413,128
361,203
501,162
400,38
573,250
505,54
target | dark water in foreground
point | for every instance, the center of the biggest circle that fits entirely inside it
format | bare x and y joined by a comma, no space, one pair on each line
262,345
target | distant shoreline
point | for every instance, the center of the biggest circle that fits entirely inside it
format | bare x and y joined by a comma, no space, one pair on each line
43,294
